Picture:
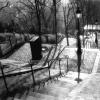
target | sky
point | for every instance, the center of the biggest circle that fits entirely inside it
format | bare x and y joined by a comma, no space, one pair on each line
64,2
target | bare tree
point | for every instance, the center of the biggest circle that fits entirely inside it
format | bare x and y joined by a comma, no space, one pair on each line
69,18
6,5
35,13
89,11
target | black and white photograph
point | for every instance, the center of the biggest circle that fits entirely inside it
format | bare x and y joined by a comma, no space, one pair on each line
49,49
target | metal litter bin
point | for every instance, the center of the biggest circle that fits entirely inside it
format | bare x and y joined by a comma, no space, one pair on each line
36,48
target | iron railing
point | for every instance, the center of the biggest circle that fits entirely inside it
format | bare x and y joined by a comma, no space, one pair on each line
33,71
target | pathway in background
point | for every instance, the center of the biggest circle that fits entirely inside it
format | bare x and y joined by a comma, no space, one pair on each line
89,89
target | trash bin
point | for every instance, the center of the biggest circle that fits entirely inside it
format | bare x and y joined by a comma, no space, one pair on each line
36,49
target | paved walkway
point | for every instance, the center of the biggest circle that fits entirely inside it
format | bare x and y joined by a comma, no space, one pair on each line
89,89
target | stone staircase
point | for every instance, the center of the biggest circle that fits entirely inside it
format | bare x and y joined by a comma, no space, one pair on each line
56,89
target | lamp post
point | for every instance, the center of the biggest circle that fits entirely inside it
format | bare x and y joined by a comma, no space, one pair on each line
79,51
96,40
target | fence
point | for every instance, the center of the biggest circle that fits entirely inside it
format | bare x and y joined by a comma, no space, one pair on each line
9,44
33,72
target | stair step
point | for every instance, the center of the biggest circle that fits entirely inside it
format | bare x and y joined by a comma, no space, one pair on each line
51,91
17,99
60,87
36,98
20,96
17,96
41,96
71,76
26,93
10,98
54,91
32,98
68,80
62,84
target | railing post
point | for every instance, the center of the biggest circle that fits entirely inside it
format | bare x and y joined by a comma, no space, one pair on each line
49,70
10,42
67,68
31,63
67,65
59,66
4,78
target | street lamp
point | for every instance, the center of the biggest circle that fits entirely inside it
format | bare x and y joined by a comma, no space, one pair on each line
79,51
96,40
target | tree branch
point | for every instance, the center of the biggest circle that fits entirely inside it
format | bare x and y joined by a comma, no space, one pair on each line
4,6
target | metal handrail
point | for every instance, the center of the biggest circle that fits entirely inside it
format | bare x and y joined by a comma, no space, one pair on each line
34,71
23,72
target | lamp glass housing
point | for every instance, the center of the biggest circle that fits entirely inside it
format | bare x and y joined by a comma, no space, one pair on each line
96,24
96,21
78,13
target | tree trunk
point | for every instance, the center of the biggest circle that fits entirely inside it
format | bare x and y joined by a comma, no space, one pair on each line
10,42
55,20
0,52
67,38
66,33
